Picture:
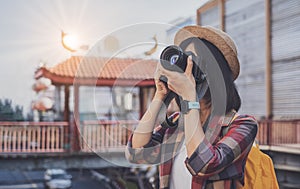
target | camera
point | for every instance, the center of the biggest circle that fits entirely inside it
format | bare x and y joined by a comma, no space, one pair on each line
173,58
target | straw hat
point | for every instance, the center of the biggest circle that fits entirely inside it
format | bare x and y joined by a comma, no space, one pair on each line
217,37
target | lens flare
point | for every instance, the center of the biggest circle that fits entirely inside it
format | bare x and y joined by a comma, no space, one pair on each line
70,41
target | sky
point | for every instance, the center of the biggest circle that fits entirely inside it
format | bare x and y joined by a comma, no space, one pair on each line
30,32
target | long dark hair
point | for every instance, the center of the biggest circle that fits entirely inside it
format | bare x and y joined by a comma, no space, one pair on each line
233,100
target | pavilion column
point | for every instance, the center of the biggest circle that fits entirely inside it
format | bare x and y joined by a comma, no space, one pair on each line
76,126
67,106
146,96
68,131
142,101
76,103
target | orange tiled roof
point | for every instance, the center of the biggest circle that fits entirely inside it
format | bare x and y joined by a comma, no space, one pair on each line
82,68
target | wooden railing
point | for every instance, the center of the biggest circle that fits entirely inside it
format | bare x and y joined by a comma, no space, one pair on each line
276,132
28,137
103,136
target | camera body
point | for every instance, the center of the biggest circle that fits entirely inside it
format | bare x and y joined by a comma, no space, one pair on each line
173,58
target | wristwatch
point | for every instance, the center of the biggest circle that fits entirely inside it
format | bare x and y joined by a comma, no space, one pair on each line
186,106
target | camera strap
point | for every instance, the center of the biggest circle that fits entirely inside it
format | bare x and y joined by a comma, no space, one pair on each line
167,123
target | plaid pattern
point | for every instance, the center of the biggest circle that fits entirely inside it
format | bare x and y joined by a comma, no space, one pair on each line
222,159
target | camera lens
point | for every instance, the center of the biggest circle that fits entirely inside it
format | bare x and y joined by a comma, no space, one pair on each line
174,59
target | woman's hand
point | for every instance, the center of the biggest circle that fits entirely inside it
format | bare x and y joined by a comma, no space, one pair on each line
161,88
182,84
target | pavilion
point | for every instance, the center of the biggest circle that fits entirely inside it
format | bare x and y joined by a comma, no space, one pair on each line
114,74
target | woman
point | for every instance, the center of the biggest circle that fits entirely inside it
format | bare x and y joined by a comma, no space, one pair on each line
199,152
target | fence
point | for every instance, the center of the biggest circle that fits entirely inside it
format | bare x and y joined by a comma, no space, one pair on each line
101,136
28,137
275,132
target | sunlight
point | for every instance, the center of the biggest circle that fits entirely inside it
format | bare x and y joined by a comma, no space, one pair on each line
70,41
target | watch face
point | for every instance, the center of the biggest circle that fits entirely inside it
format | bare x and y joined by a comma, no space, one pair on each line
186,106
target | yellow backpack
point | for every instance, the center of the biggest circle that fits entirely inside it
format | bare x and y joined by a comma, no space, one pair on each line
259,169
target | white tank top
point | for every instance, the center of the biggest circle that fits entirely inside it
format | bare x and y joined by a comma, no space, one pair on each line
180,176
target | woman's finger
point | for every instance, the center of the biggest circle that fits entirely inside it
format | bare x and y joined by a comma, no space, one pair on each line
189,66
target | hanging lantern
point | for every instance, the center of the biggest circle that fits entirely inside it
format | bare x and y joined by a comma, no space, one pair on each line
41,84
43,104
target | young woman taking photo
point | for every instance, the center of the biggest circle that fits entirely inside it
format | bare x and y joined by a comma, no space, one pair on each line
209,144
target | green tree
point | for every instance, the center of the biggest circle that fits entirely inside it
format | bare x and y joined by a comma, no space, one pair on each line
9,113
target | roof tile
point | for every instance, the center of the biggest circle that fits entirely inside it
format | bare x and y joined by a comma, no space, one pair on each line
105,68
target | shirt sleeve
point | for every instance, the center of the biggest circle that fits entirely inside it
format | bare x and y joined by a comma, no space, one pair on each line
149,153
209,159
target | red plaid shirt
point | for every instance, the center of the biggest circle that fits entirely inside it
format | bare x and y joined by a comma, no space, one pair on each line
222,159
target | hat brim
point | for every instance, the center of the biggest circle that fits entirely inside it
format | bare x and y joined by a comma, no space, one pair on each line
220,39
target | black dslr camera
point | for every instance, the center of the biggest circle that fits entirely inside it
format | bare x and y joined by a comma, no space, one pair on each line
173,58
